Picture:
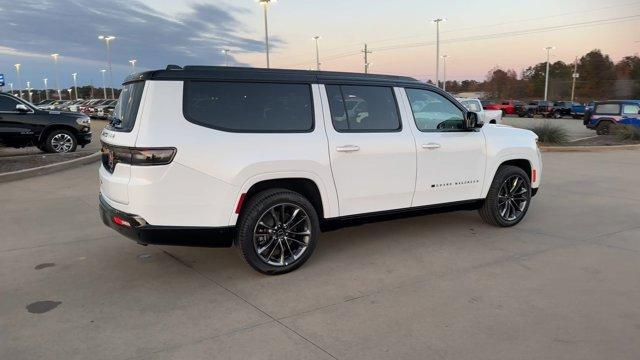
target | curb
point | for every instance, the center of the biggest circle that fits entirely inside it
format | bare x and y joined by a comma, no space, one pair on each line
48,169
589,148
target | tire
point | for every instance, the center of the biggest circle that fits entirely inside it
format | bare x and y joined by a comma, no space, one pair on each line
492,208
60,141
298,233
530,114
504,113
557,115
604,128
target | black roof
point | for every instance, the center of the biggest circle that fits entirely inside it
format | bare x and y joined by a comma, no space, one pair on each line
173,72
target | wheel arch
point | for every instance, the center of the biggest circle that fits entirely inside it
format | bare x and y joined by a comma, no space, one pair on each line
47,130
323,200
519,160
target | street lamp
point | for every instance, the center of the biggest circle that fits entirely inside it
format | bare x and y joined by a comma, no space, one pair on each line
75,83
46,89
316,38
546,77
226,54
11,86
29,90
265,5
133,65
17,66
107,39
55,61
70,91
437,22
444,70
104,85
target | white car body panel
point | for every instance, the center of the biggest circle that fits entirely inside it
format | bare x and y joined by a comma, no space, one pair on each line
212,169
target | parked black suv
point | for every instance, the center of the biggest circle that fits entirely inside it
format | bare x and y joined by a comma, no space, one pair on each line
23,124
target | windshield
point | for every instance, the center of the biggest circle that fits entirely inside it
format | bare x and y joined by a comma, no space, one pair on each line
126,110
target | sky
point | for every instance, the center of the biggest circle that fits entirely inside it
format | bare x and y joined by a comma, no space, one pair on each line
477,35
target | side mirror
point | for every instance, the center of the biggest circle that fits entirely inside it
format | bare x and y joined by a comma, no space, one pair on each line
21,108
471,120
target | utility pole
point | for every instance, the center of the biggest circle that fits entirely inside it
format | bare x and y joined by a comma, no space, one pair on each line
366,52
575,76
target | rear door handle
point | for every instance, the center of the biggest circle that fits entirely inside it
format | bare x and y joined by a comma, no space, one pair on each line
348,148
431,146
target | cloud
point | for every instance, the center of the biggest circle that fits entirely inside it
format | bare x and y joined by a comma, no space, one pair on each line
37,28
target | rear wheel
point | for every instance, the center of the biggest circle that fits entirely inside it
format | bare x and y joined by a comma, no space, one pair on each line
60,141
557,115
604,128
508,199
277,231
530,113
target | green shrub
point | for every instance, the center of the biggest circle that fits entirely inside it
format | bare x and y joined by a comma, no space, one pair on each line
627,132
550,133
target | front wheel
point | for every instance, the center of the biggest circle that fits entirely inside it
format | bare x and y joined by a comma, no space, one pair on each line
508,199
60,141
277,231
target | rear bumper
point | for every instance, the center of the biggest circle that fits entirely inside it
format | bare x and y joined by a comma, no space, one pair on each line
145,234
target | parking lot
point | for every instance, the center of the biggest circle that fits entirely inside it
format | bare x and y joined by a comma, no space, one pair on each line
563,284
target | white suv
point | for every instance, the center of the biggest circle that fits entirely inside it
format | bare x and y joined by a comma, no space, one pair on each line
265,159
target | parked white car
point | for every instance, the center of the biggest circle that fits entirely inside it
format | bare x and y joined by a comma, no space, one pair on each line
486,116
265,159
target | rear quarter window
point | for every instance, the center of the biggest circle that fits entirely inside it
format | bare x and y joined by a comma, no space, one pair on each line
126,111
249,107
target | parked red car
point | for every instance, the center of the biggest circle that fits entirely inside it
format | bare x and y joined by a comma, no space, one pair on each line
507,106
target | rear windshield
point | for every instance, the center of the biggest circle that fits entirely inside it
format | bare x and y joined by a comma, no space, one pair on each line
610,109
124,114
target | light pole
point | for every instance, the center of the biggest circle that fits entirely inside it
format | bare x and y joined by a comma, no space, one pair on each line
19,81
107,39
55,61
46,89
133,65
75,83
546,77
29,90
226,56
444,71
11,86
70,91
316,38
104,85
265,5
437,22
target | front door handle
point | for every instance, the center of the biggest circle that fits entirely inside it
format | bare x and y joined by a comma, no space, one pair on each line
431,146
348,148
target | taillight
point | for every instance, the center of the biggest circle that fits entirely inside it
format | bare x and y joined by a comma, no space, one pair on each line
113,155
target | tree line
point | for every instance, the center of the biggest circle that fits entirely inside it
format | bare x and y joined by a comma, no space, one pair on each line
599,79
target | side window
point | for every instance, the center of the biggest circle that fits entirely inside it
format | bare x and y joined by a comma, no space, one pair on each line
631,109
433,112
249,107
608,109
8,104
363,108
